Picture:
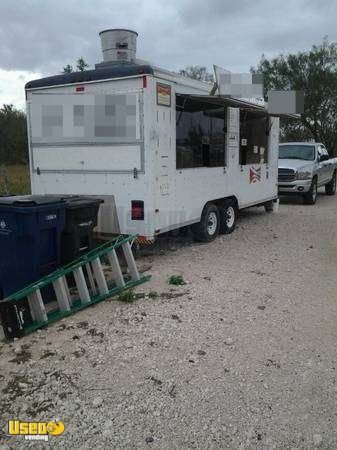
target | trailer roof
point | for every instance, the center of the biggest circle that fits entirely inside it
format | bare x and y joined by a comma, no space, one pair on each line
114,71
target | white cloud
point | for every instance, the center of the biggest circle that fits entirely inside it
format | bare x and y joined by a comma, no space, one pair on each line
12,86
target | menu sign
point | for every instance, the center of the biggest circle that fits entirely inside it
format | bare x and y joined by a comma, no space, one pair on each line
163,94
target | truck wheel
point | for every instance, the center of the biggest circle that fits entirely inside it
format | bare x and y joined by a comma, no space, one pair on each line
311,196
330,188
228,217
208,227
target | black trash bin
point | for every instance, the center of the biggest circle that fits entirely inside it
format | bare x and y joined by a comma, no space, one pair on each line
81,219
30,233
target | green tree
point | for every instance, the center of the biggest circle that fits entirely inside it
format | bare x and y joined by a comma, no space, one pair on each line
81,66
197,73
13,136
68,69
315,73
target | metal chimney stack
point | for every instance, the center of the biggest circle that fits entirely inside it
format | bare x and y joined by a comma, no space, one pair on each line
118,46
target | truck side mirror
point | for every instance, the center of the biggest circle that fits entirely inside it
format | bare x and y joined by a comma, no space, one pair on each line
323,158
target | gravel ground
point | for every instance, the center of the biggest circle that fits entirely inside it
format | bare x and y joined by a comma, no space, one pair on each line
242,356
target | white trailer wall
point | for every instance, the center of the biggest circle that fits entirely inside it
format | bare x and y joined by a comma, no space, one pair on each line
67,158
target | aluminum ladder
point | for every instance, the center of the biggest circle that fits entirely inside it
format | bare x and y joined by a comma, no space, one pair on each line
25,311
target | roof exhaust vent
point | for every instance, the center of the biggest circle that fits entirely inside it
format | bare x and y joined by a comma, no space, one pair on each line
118,46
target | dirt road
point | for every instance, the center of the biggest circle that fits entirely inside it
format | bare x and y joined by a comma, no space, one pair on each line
242,356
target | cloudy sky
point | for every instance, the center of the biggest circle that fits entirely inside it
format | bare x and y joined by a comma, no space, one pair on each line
39,37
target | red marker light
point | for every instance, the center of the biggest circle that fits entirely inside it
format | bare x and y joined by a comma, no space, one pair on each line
80,89
137,210
144,81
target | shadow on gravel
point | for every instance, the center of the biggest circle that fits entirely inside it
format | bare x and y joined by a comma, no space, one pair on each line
177,239
297,199
251,213
183,237
168,242
291,200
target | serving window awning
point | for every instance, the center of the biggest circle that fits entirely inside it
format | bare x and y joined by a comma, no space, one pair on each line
192,102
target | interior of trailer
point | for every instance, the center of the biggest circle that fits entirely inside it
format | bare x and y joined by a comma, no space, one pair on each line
201,132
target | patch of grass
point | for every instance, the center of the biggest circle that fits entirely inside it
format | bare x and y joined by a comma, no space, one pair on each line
176,280
170,295
127,296
14,180
153,294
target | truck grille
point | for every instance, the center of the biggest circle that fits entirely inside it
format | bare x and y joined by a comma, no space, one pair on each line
286,175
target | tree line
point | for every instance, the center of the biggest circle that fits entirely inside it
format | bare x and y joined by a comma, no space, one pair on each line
313,71
13,136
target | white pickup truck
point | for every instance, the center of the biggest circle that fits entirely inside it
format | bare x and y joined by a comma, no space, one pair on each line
303,168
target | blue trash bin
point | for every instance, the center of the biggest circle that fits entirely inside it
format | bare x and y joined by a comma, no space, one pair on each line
30,233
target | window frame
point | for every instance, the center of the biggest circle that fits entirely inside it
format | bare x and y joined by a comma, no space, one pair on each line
203,107
268,125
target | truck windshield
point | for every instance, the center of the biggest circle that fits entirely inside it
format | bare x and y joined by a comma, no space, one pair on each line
293,151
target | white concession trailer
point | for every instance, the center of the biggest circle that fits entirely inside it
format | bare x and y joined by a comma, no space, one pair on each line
151,142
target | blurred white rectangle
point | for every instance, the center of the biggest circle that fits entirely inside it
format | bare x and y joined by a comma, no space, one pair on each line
285,102
95,118
238,85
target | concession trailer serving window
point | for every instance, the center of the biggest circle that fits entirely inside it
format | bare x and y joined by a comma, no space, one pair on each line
200,134
254,132
201,131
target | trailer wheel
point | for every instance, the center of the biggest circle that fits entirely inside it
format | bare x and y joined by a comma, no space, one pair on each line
228,217
330,188
311,196
208,227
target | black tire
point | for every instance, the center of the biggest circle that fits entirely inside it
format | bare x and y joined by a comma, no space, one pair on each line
310,197
330,188
208,227
228,217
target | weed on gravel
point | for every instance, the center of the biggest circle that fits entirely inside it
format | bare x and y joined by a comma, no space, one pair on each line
176,280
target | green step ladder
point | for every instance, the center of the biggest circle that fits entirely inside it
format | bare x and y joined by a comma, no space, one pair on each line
25,311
